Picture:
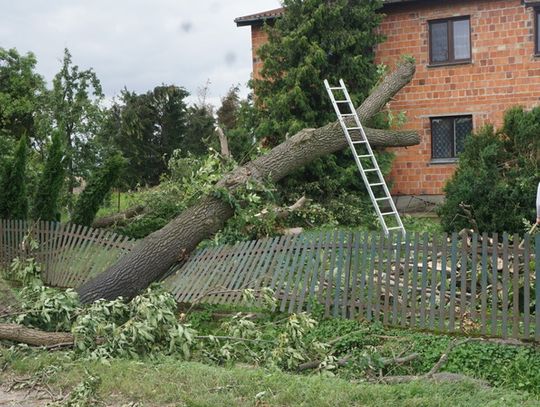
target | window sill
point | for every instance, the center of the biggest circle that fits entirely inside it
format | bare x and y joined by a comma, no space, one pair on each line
441,161
449,64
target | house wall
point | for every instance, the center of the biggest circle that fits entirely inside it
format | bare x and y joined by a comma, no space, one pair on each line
258,38
503,73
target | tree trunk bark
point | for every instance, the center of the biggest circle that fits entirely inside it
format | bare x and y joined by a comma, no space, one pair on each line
155,254
118,219
21,334
223,142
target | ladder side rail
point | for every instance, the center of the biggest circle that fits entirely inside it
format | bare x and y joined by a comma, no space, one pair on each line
351,146
376,164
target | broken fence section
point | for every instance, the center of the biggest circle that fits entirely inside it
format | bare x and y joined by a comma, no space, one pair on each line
69,254
478,284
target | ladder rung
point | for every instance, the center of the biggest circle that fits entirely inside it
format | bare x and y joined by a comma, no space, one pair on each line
359,142
387,213
342,101
377,184
364,156
336,87
371,170
382,199
354,128
394,228
347,114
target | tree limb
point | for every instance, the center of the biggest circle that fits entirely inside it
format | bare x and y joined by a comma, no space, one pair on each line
30,336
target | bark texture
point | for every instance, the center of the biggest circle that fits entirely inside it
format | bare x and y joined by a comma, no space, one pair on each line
118,219
155,254
21,334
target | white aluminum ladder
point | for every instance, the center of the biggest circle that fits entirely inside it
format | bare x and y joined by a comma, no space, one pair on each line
376,185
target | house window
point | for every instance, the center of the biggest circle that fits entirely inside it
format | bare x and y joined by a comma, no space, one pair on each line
450,41
448,136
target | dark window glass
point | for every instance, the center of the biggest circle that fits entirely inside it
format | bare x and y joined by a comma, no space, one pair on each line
439,42
450,40
448,135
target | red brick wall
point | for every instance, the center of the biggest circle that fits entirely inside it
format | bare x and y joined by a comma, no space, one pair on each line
258,38
503,73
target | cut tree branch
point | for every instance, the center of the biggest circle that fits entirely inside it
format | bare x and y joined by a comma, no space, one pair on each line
35,337
118,219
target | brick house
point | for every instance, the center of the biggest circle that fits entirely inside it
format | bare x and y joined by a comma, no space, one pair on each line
475,59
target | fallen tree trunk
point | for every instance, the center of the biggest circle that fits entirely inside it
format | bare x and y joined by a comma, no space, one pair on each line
35,337
118,219
154,255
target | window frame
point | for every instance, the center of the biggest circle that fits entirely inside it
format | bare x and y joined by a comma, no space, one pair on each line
537,31
450,36
454,157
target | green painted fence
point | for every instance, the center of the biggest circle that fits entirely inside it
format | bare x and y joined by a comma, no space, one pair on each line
474,284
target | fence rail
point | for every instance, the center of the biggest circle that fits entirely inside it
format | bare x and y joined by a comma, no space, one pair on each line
477,284
69,254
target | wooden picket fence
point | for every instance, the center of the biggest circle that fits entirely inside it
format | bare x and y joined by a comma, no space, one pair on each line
69,254
475,285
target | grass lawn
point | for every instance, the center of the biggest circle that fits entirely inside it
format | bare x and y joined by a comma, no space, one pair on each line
177,383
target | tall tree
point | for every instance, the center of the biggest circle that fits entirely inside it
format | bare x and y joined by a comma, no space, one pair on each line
227,114
21,93
200,129
47,198
13,198
314,40
74,104
99,185
156,253
147,128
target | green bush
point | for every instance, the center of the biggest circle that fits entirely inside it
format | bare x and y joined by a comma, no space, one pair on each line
497,176
50,183
13,198
96,191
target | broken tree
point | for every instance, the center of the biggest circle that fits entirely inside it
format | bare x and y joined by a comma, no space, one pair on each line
154,255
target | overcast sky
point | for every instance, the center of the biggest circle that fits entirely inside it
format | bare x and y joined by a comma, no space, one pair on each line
138,44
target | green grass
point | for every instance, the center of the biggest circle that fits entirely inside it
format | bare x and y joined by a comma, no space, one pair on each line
179,383
127,200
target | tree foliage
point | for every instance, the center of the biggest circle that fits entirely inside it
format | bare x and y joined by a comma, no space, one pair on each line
75,111
238,120
21,93
497,176
47,198
314,41
99,185
13,196
146,129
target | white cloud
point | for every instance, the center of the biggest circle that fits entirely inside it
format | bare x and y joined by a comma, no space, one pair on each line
138,44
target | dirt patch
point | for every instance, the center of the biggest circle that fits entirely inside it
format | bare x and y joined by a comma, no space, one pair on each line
22,398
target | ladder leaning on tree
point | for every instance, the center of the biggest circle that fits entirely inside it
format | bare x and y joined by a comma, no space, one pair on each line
364,158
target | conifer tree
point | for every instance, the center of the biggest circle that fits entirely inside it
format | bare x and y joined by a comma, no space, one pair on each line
13,198
314,40
50,183
99,185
